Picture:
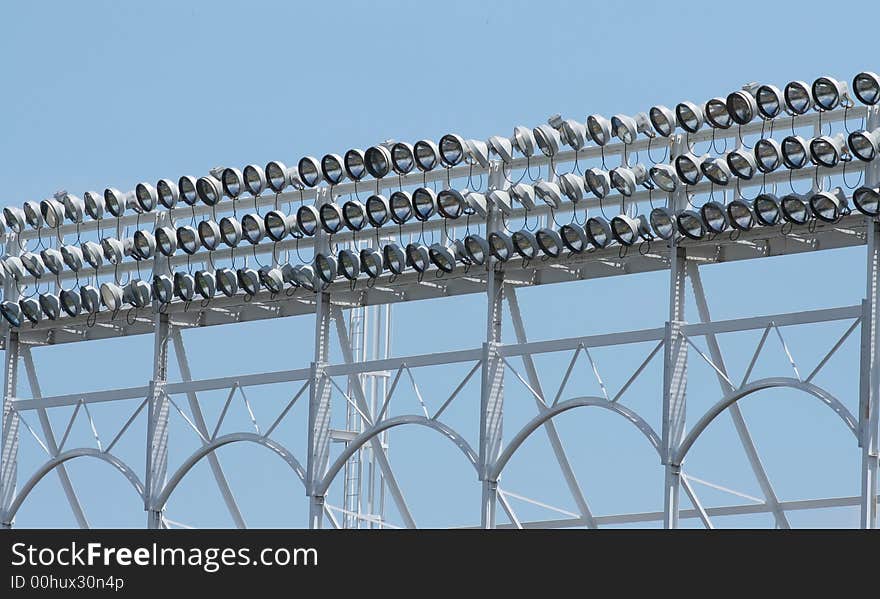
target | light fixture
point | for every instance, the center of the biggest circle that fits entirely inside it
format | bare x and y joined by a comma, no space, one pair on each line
500,198
525,244
452,149
354,214
549,242
627,230
31,309
137,293
795,208
74,207
690,224
547,139
450,203
524,140
598,231
71,302
866,87
573,186
768,154
740,214
91,298
573,133
394,258
573,237
33,263
349,264
524,194
476,202
769,100
427,155
688,167
230,231
864,145
443,257
206,283
93,254
599,129
332,169
795,152
279,175
11,311
477,152
424,203
209,190
598,182
209,234
252,228
304,276
254,179
664,177
276,224
271,278
184,286
167,193
308,219
828,93
163,289
32,214
716,170
829,206
402,158
146,197
867,200
714,216
166,241
742,106
663,119
15,268
72,256
227,281
461,252
378,161
689,116
94,205
114,250
378,210
476,249
400,205
186,187
828,150
355,164
53,213
797,97
742,163
549,193
418,257
500,246
232,182
309,171
115,201
112,296
53,260
331,217
717,114
502,147
627,128
662,222
188,239
767,209
249,280
371,262
626,179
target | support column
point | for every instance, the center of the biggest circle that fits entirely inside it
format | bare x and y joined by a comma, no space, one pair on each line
157,424
9,458
674,366
492,382
319,412
869,400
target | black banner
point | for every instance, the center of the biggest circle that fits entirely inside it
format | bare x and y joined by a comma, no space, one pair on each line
135,562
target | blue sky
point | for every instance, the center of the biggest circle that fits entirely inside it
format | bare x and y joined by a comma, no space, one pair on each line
102,94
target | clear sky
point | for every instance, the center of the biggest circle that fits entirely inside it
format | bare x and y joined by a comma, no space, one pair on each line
99,94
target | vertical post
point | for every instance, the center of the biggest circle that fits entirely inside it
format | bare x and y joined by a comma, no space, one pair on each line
869,400
9,456
675,365
319,391
492,382
157,423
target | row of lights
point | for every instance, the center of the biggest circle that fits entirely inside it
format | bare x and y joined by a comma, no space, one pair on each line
740,107
711,219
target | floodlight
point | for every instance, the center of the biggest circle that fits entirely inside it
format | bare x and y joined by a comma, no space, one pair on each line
252,228
427,155
768,155
232,182
740,214
443,257
271,278
867,200
547,139
137,293
167,193
113,249
115,201
349,264
598,231
401,208
500,246
254,179
524,140
742,163
11,311
627,230
688,167
32,214
378,161
308,219
795,152
249,280
452,149
72,256
93,203
573,237
227,281
424,203
163,289
309,170
829,206
206,283
209,234
502,147
714,216
304,276
627,128
15,267
332,169
663,119
477,152
549,242
864,145
549,193
599,129
184,286
186,188
418,256
525,244
279,175
53,213
371,262
230,231
354,214
795,208
112,296
209,190
188,239
797,97
74,208
828,93
828,150
689,116
573,133
90,297
477,203
524,194
33,263
93,254
53,260
394,258
331,217
664,177
717,114
866,87
378,210
71,302
355,164
573,187
402,158
767,209
276,225
30,308
716,170
742,107
662,222
450,203
690,224
598,182
476,249
769,100
626,179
